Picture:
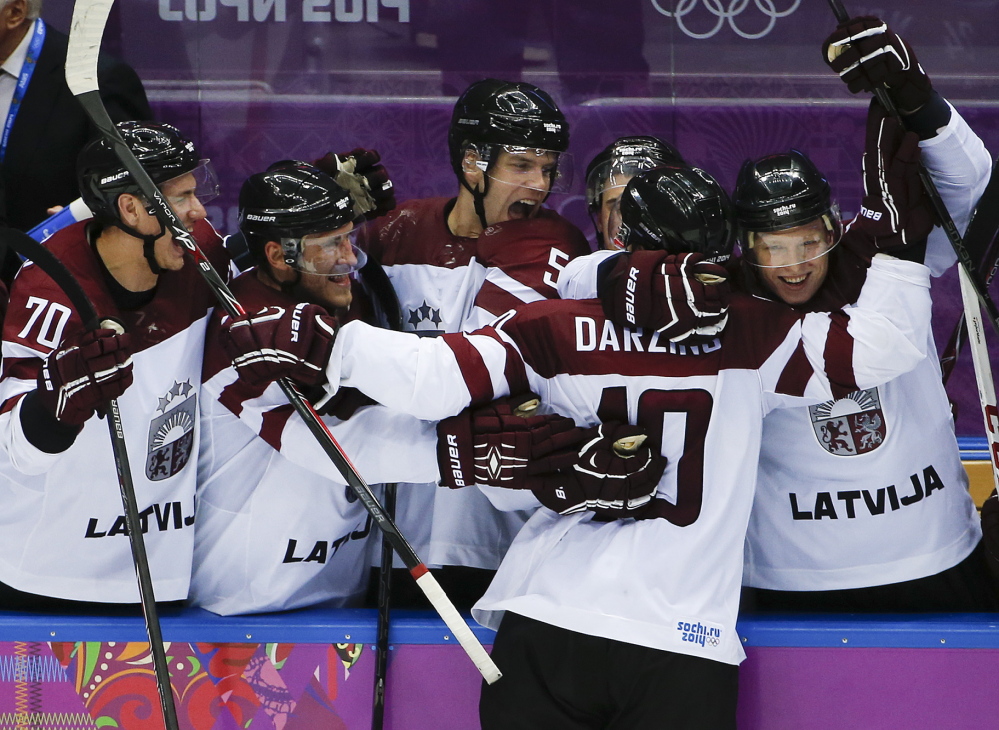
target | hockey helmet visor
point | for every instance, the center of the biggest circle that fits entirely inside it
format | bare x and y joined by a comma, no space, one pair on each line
330,253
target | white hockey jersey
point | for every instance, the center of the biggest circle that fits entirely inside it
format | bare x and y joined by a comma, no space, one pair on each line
445,284
869,489
277,528
671,581
62,529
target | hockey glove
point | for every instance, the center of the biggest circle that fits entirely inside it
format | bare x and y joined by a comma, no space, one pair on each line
616,474
361,173
86,372
502,444
867,54
679,295
895,210
278,343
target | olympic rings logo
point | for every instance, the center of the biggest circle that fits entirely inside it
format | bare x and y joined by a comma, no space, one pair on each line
717,8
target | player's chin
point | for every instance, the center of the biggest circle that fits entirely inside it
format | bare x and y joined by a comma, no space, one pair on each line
336,291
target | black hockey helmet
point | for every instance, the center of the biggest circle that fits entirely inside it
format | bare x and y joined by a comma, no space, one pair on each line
678,209
624,158
493,112
287,203
783,191
164,154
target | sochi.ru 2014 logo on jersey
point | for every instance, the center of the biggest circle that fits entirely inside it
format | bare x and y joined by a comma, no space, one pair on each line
850,426
171,434
703,634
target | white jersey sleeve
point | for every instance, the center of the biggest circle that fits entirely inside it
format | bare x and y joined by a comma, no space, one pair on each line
960,167
579,277
384,445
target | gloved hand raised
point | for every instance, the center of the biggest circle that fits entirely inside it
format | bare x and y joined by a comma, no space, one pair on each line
895,210
361,173
279,342
615,475
83,374
682,296
867,54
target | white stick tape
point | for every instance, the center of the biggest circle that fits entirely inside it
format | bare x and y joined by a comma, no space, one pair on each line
483,662
89,19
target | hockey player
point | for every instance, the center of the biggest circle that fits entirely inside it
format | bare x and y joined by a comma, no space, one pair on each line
610,171
862,502
63,536
595,633
458,263
277,527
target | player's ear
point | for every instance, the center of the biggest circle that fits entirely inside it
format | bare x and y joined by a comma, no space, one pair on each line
129,207
275,256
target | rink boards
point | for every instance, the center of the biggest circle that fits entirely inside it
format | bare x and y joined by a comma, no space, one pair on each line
314,669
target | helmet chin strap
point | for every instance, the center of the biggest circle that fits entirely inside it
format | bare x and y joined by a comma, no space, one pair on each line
478,198
148,244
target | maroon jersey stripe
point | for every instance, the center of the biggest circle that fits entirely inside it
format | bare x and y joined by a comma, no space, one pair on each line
473,368
796,374
22,368
514,370
273,425
839,356
496,300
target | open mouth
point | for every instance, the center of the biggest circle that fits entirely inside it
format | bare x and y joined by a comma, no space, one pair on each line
523,208
339,279
794,280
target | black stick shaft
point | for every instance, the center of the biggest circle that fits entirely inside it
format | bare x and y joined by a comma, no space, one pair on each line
384,619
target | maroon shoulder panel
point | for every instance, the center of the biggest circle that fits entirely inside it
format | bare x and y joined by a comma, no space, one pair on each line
416,233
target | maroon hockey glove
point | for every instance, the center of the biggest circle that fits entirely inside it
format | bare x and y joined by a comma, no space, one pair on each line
86,372
867,54
277,343
365,165
895,211
502,445
679,295
616,474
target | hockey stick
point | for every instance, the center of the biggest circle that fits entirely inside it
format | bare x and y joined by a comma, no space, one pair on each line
384,619
982,243
972,287
30,249
89,19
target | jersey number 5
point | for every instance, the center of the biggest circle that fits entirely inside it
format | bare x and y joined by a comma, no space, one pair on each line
653,404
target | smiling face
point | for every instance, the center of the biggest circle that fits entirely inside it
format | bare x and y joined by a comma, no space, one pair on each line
793,263
325,266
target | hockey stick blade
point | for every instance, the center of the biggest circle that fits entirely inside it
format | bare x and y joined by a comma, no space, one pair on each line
31,250
92,12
